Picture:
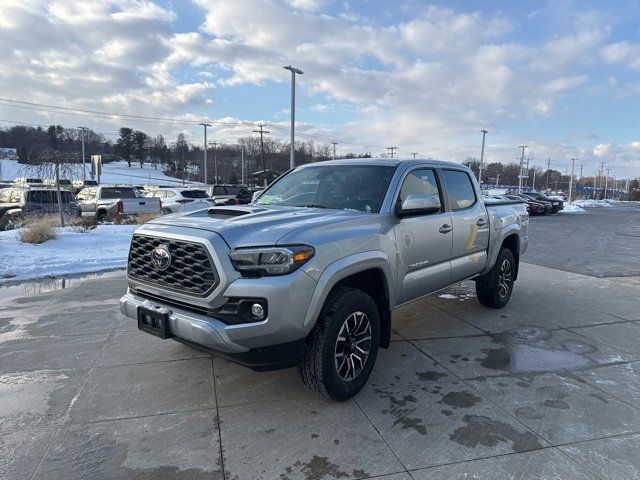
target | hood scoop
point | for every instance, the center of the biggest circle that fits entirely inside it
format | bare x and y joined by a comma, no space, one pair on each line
223,213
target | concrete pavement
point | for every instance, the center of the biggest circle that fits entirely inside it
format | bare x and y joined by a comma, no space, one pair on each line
548,387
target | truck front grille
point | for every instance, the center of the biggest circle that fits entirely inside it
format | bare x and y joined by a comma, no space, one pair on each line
190,271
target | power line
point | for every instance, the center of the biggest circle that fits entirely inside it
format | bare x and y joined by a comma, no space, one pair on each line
100,114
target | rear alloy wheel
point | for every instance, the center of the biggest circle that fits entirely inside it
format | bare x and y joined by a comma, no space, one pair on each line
343,346
495,287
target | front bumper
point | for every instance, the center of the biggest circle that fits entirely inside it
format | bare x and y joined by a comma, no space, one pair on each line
258,344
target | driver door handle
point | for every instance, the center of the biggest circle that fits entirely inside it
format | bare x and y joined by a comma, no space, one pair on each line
446,228
481,222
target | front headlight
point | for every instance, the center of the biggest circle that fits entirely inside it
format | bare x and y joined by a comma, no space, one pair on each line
270,260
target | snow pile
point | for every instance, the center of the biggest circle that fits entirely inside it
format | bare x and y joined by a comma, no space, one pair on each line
495,191
113,172
572,208
593,203
104,248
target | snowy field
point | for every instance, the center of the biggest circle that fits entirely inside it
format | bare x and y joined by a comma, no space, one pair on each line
104,248
114,172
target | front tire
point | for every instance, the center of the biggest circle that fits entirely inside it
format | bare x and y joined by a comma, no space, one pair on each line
495,287
343,346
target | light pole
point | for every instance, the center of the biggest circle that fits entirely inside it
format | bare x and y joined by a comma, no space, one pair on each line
521,162
484,134
606,182
497,179
205,125
573,164
334,149
293,70
84,172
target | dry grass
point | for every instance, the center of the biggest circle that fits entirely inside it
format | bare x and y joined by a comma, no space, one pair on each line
146,217
82,225
38,230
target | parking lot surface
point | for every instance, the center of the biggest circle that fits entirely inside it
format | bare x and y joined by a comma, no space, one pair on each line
548,387
601,243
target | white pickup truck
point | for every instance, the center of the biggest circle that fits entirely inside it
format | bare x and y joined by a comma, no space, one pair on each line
112,200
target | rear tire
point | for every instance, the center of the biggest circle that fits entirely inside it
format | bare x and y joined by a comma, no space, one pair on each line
495,287
342,348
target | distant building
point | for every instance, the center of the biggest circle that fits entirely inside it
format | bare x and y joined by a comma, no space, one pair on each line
9,153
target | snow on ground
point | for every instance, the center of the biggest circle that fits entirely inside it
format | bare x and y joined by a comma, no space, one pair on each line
106,247
572,208
594,203
113,172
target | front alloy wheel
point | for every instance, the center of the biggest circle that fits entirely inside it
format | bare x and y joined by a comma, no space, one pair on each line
504,278
352,346
342,348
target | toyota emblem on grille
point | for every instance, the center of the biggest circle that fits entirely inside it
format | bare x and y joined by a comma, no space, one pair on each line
161,257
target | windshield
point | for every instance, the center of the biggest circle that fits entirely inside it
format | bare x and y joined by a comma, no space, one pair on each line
344,187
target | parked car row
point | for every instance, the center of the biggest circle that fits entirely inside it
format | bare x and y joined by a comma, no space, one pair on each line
537,203
32,196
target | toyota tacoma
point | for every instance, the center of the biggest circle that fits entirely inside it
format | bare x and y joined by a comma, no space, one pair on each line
309,273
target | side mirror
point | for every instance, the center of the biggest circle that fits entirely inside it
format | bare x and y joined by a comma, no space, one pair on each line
419,204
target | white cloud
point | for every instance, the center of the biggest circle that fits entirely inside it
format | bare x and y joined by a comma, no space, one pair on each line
428,83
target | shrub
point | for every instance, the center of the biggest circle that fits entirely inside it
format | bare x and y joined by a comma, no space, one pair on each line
38,230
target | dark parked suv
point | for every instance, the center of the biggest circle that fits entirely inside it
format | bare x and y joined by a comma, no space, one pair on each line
229,194
17,203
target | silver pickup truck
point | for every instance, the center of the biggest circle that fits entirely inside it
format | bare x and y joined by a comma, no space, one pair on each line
309,273
106,201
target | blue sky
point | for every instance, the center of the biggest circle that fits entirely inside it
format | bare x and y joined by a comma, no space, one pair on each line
560,76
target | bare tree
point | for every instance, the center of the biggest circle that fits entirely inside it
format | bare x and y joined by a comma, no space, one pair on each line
51,164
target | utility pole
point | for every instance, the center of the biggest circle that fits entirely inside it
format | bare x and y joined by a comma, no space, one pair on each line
573,164
215,161
606,182
334,149
264,168
206,177
293,70
414,154
546,186
521,162
392,151
242,164
484,134
84,171
533,184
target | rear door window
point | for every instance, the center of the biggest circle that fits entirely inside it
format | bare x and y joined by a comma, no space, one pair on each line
460,191
118,192
194,194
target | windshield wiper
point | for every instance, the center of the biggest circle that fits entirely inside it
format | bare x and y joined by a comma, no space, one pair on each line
313,205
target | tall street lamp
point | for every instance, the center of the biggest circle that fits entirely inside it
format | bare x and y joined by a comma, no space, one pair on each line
293,70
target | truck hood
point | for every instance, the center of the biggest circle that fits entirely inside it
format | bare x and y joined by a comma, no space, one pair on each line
249,225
